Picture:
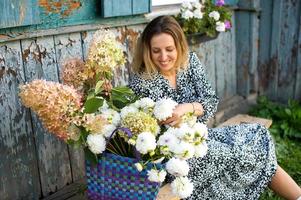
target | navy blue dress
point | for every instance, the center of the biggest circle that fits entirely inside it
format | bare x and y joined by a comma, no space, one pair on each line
241,159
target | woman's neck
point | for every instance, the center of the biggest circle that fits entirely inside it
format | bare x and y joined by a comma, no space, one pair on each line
169,74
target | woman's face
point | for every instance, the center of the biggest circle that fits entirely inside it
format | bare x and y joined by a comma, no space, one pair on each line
163,52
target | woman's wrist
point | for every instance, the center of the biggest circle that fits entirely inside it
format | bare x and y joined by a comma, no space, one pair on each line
197,109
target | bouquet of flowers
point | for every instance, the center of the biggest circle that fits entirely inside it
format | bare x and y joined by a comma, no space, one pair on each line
82,111
204,16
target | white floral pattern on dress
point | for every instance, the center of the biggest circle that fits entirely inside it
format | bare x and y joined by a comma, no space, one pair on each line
241,159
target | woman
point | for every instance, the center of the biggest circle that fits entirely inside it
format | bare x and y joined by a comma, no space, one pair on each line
241,160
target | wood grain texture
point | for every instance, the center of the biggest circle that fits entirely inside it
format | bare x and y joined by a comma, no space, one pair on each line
66,47
40,62
288,48
19,177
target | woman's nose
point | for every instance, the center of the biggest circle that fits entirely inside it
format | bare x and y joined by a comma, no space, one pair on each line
163,55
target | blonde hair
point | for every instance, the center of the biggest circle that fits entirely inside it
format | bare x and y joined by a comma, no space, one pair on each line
142,63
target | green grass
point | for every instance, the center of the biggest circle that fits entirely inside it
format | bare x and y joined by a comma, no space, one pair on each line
286,132
288,153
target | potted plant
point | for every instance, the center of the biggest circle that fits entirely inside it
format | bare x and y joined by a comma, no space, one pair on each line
204,20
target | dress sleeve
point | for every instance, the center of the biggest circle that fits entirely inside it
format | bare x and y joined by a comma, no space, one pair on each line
204,92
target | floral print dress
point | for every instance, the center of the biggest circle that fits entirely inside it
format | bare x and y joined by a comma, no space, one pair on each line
241,159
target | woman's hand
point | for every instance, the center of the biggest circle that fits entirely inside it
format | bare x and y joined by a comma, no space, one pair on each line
178,112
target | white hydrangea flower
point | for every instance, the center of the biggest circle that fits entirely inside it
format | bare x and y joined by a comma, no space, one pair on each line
164,108
183,150
145,103
201,129
139,166
197,5
185,132
198,14
108,130
215,15
200,150
177,167
111,115
96,143
145,142
220,26
186,5
187,14
156,175
182,187
168,139
127,110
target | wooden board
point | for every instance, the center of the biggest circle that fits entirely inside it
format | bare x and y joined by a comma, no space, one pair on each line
19,178
39,60
66,47
166,194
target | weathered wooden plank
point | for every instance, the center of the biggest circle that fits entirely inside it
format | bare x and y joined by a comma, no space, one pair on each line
18,13
288,48
206,54
298,74
19,178
141,6
40,62
243,52
66,47
116,8
271,90
264,60
254,38
128,37
225,66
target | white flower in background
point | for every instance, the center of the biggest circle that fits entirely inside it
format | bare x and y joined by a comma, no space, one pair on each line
104,106
111,115
198,14
156,175
201,129
164,108
168,139
127,110
186,5
196,5
177,167
139,166
182,187
146,104
220,26
187,14
215,15
96,143
145,142
200,150
185,132
183,150
108,130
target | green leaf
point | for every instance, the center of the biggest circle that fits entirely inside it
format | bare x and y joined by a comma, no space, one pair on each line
122,96
92,104
90,156
98,87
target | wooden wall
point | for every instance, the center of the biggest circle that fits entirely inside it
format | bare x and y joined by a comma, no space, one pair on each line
268,44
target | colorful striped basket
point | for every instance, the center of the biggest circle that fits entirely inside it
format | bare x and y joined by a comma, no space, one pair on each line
116,177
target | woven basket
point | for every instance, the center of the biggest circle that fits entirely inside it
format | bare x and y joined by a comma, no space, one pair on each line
116,177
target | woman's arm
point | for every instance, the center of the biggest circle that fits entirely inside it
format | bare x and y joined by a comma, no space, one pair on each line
206,100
